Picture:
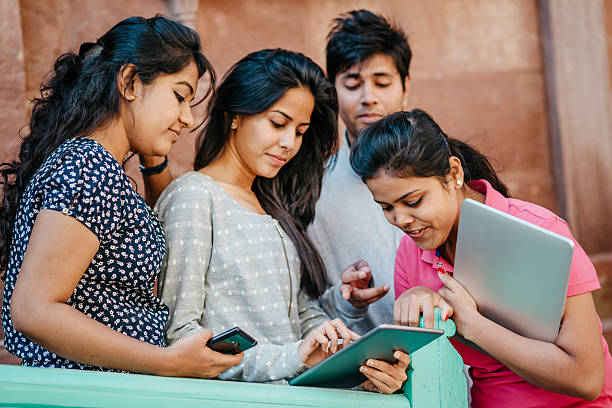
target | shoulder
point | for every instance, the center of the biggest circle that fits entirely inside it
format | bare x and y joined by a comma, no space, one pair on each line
189,185
192,189
86,155
80,164
539,216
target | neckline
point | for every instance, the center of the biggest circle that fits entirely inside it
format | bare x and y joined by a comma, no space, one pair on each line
232,199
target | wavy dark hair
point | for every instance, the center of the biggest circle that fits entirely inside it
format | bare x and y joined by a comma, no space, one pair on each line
252,86
407,144
360,34
81,94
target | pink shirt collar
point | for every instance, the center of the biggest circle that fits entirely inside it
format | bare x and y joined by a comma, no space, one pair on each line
493,198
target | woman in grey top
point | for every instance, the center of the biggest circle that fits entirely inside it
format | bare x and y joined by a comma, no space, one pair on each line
238,254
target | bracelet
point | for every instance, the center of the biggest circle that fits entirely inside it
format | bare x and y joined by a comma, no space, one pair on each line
150,171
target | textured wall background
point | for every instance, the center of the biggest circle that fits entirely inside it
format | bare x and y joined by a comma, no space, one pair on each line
477,69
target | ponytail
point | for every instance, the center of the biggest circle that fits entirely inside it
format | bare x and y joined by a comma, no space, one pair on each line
47,131
407,144
476,166
81,95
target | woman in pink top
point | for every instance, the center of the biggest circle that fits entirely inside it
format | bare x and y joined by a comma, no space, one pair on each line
420,176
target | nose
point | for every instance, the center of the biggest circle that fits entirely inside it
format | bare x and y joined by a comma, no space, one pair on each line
402,217
186,117
368,94
288,139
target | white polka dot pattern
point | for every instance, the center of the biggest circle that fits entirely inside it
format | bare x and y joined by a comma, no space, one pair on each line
225,267
83,180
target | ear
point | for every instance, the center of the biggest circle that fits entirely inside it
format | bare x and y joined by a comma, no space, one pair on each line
455,174
235,123
406,93
128,82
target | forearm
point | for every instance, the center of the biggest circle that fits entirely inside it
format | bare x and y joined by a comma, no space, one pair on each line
69,333
310,313
267,362
545,365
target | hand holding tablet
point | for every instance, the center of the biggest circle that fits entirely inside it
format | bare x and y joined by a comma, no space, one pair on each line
342,369
323,341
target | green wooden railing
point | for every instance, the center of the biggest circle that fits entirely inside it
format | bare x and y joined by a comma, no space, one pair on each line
435,379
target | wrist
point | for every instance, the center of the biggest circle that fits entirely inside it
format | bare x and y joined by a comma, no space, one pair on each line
470,331
163,359
300,352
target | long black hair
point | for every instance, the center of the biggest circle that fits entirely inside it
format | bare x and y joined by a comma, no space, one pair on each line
81,94
252,86
406,144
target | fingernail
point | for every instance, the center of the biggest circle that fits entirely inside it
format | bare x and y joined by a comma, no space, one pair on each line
441,271
386,287
444,316
370,363
362,275
397,354
364,369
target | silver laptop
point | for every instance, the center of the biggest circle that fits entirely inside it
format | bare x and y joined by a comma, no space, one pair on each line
516,272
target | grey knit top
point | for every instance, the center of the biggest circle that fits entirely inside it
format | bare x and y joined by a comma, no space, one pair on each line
350,226
226,266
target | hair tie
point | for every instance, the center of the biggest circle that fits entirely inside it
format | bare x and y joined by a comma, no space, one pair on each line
89,49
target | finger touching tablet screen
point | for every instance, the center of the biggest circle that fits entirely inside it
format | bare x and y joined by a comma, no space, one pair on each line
341,370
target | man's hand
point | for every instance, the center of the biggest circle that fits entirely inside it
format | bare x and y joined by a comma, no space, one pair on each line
356,285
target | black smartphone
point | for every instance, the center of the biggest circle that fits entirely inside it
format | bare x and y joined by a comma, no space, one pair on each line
232,341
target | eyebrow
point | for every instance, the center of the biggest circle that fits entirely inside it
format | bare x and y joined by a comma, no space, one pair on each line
399,199
289,117
356,75
186,84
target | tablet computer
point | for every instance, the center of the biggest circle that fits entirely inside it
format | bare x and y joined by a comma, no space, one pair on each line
516,272
341,370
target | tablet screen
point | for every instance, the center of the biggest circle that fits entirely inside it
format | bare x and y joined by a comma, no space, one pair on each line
341,370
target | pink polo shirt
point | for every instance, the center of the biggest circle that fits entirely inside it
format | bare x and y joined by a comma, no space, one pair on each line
494,384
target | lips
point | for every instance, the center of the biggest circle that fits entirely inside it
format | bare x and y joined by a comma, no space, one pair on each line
176,133
277,160
369,117
416,232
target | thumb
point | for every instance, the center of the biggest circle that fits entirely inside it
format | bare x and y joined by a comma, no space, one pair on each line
205,335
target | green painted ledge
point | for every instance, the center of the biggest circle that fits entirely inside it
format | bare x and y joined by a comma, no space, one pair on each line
436,379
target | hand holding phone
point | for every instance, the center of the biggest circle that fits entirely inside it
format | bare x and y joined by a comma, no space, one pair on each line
232,341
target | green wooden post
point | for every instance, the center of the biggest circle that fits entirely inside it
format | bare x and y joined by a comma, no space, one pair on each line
435,375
